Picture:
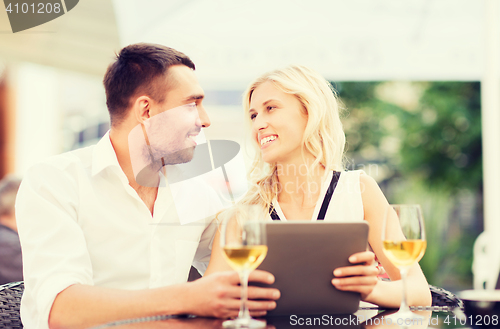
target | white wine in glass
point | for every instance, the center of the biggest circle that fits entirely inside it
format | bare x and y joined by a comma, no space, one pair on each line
404,253
245,257
403,239
243,241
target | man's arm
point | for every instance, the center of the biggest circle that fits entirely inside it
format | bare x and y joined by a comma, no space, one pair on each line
217,295
54,250
59,287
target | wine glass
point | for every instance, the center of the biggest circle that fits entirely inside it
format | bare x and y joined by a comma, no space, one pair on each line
243,241
403,238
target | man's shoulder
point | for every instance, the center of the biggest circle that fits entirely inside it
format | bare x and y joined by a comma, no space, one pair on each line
65,167
81,158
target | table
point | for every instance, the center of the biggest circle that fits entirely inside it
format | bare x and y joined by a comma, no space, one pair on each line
349,321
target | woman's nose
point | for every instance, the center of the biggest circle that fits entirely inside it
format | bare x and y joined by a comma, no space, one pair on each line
260,123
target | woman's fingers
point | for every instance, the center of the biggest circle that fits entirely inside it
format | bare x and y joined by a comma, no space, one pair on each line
358,278
362,284
364,290
364,270
353,281
366,257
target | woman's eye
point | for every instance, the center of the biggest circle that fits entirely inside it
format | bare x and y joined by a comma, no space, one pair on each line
252,116
269,108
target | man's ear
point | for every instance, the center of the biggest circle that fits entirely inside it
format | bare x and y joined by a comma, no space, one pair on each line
141,108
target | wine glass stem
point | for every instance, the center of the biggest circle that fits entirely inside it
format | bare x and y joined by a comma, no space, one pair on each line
244,313
404,304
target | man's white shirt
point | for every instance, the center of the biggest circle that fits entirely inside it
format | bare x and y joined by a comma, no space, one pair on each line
80,222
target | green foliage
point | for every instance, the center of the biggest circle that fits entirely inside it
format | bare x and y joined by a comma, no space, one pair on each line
363,113
447,149
428,137
438,139
448,259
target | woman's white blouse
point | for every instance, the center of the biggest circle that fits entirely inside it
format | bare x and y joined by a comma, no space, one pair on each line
346,204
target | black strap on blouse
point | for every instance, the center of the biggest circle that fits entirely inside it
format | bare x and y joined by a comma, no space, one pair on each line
326,200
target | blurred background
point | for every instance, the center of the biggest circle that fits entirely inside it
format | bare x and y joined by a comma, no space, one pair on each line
419,81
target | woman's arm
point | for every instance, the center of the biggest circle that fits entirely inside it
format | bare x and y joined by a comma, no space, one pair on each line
362,275
389,293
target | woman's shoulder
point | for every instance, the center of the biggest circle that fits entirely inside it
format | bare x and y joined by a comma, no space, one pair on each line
354,174
368,185
366,179
373,198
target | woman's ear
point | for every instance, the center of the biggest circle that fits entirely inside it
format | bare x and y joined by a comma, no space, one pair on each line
142,108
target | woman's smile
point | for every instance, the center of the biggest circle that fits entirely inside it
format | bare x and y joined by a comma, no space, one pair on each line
265,141
278,123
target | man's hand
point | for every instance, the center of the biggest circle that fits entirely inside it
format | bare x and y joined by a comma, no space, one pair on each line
218,294
215,295
361,278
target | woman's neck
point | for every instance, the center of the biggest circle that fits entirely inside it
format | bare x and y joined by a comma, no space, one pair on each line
299,185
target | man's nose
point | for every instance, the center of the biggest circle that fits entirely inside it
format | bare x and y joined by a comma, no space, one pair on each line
204,120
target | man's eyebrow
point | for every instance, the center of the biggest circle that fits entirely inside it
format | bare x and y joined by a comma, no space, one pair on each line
195,97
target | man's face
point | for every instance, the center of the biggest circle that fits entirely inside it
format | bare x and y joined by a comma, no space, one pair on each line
174,124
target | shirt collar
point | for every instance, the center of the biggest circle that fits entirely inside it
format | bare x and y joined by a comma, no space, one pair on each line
103,155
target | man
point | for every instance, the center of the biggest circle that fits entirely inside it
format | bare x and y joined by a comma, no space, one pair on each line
98,243
11,266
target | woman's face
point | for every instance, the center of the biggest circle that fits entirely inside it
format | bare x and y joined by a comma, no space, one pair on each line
278,124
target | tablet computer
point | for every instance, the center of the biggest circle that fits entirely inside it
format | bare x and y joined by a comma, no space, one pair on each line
303,255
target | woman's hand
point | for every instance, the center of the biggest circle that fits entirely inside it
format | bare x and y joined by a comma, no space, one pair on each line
361,277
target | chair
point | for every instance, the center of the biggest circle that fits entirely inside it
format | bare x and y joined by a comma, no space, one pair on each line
444,300
10,301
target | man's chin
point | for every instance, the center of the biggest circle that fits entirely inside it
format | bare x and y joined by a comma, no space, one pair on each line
179,157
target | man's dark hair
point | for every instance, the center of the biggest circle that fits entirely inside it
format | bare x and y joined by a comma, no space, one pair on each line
139,68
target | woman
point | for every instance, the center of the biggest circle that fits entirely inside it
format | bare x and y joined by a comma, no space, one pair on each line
295,125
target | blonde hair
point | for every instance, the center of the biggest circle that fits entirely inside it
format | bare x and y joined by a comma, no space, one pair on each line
323,137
